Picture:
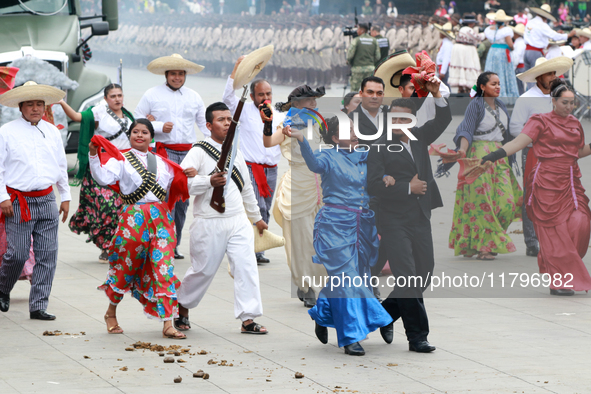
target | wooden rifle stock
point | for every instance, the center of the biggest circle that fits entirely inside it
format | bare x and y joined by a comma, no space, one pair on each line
217,198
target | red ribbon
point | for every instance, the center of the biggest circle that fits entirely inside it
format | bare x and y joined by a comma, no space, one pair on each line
420,74
508,52
7,75
25,211
161,148
258,172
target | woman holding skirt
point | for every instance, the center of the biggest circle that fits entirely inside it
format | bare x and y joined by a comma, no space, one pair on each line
484,209
345,241
298,197
498,59
99,206
141,256
556,201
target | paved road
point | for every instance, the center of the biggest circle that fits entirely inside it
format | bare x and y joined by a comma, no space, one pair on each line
484,345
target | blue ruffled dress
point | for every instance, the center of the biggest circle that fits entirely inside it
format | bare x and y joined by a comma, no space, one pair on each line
346,243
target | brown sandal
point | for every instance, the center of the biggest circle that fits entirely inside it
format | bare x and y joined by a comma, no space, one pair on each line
174,335
115,329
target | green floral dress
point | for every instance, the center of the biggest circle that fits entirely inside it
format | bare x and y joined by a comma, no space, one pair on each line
484,209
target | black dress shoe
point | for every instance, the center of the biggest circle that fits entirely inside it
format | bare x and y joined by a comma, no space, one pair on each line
310,299
4,302
42,315
321,333
421,347
387,333
178,255
562,292
354,349
263,259
300,293
532,251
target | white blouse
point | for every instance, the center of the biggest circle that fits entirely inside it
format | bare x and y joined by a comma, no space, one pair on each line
488,122
129,179
108,127
498,36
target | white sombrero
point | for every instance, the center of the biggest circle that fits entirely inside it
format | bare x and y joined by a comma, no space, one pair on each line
390,71
519,28
251,65
31,91
446,29
586,32
499,16
544,11
174,62
560,64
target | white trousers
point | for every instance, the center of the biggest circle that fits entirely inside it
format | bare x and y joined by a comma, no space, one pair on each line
211,239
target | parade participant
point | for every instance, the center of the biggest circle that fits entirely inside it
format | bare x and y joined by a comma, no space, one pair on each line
518,54
444,55
520,17
98,210
464,65
32,159
534,101
351,102
405,206
484,209
382,42
415,32
141,255
352,310
174,109
426,106
261,161
400,41
298,196
215,234
585,39
498,59
556,200
538,33
362,56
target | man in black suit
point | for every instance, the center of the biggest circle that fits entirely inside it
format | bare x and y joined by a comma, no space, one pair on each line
370,110
406,190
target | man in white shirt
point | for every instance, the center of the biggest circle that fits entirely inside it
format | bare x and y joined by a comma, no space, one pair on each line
262,162
584,38
173,110
32,160
518,54
444,55
538,33
534,101
215,234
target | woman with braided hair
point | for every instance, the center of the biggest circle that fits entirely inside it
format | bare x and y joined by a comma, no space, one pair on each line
556,201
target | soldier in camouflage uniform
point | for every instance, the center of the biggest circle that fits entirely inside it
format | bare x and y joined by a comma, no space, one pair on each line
362,56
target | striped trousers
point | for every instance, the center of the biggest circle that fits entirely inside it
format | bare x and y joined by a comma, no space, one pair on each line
179,212
43,228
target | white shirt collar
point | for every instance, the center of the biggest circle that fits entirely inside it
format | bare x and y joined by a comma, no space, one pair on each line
374,119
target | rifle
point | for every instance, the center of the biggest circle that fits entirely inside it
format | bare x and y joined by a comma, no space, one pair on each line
217,198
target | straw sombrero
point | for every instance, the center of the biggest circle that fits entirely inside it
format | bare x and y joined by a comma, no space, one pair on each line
267,241
586,32
174,62
31,91
560,64
519,28
390,70
499,16
544,11
251,65
446,30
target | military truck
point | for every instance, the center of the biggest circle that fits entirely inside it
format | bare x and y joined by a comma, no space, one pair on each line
55,31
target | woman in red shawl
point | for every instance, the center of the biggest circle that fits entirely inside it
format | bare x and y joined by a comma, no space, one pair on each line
556,200
141,255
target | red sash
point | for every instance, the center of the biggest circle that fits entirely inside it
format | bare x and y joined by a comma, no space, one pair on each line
25,212
520,65
258,172
530,48
161,148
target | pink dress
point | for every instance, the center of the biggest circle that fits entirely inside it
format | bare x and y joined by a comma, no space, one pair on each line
556,200
27,272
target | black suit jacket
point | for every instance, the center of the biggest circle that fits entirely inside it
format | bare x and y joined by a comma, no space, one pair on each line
394,201
366,126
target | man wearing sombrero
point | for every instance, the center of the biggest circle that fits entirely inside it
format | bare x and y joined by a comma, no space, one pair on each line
173,109
535,101
538,33
32,160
